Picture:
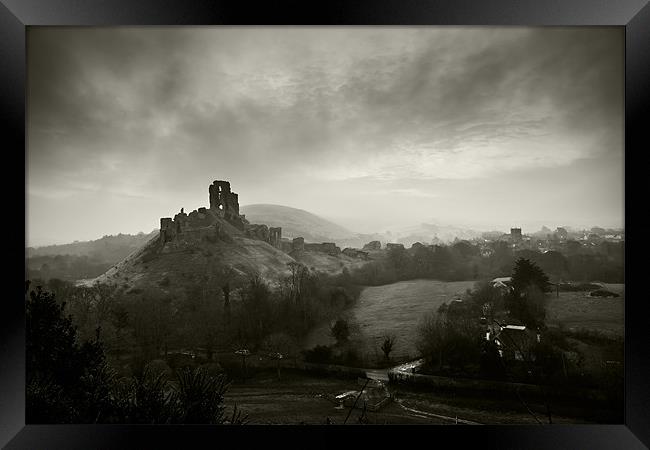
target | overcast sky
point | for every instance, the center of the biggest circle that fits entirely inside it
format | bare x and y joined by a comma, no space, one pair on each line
374,128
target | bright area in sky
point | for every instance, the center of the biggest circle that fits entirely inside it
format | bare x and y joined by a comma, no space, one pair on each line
371,127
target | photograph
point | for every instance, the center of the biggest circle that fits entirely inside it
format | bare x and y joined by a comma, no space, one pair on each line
325,225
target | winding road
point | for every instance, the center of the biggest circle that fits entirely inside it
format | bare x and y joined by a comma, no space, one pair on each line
405,369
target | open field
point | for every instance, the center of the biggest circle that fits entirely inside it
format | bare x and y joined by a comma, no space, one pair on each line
392,309
398,308
300,398
576,310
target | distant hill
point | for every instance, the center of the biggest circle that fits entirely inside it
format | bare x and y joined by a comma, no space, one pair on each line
139,260
297,222
86,259
109,249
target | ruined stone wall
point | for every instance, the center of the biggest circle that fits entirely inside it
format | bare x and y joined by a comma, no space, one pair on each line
223,199
272,235
275,236
373,245
257,231
223,204
286,245
218,191
330,248
199,218
355,253
326,247
182,223
167,230
233,204
298,244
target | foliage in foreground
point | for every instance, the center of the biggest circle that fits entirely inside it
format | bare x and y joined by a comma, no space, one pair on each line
69,382
214,312
526,301
456,344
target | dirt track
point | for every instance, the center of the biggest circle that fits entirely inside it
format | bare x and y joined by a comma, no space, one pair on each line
300,398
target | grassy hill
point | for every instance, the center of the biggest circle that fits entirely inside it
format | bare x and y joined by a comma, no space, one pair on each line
105,249
84,259
296,223
192,256
176,268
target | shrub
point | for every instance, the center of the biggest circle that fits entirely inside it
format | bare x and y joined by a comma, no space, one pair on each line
547,361
67,382
320,354
158,366
387,345
280,343
179,360
603,293
491,363
198,397
350,357
142,399
340,331
213,369
446,343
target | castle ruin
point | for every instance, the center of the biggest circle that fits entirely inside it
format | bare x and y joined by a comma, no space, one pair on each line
223,199
224,204
325,247
275,236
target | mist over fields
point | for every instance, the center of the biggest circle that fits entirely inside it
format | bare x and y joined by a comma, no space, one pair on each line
338,215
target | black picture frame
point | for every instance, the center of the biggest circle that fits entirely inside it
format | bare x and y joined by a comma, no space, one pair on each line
634,15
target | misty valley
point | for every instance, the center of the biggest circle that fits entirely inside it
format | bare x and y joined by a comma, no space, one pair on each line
257,326
332,225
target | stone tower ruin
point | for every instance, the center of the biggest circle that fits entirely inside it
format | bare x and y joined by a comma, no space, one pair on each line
224,204
275,236
222,199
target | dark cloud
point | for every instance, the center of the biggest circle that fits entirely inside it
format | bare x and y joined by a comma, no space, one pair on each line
161,111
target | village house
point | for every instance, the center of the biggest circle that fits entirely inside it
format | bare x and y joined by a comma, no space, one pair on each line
515,342
504,284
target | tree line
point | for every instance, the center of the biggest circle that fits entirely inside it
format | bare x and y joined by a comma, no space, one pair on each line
68,380
453,340
113,337
466,260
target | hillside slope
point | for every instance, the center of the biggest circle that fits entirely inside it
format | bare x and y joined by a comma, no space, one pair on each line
109,249
185,261
193,256
79,260
296,222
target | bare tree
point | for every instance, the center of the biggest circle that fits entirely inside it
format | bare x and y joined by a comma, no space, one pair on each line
387,345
